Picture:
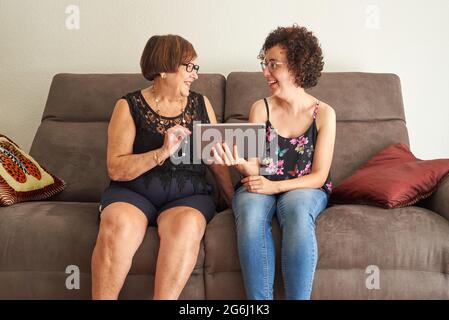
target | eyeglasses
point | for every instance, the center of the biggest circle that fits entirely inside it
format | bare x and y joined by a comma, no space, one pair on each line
272,64
190,67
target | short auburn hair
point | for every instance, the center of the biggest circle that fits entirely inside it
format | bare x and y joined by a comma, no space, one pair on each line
165,54
304,54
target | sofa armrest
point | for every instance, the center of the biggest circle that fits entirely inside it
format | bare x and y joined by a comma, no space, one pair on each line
439,201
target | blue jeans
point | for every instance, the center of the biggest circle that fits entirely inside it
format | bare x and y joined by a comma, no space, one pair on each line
296,211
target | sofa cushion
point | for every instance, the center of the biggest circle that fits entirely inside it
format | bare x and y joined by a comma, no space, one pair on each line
78,155
368,106
22,178
355,96
392,178
410,238
222,276
409,244
438,202
91,97
72,138
38,240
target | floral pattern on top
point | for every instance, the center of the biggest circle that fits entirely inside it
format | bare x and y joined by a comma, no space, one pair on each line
300,144
272,167
294,155
271,133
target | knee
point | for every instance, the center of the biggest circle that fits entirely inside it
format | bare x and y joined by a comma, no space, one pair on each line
248,209
244,200
116,226
249,220
301,206
188,227
296,218
297,225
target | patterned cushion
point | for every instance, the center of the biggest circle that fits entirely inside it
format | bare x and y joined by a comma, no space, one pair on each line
22,178
392,178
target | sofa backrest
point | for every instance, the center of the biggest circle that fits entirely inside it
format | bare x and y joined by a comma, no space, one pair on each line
72,137
369,109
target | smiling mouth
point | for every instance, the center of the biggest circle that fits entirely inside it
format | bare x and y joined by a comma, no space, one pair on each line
272,82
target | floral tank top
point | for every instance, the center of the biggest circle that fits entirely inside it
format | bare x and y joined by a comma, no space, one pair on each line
294,155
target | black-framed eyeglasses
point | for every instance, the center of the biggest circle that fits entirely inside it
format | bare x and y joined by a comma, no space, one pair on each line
190,67
272,64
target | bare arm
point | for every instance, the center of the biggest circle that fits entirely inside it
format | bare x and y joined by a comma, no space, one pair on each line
220,172
257,114
122,164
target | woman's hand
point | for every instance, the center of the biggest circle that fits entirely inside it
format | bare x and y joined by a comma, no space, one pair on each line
173,138
222,155
260,184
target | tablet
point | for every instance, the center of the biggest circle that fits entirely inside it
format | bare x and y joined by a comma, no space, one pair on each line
249,138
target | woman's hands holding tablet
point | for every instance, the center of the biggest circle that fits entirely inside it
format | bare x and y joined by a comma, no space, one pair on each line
253,183
221,154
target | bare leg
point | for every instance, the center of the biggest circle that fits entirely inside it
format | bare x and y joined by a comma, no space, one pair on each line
122,229
180,230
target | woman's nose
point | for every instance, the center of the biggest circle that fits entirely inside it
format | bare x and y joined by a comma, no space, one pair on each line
266,72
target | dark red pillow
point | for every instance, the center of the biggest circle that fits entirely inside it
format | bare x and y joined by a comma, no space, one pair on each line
392,178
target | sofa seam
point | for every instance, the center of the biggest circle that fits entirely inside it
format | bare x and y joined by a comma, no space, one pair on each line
385,269
346,269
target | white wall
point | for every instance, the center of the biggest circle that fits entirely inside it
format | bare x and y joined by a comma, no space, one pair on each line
408,38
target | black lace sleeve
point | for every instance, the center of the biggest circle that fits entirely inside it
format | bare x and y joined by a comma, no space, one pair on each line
204,117
135,112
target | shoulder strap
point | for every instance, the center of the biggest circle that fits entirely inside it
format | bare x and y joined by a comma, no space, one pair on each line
268,110
317,104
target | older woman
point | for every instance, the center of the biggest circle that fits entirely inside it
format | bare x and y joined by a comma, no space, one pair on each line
300,138
147,128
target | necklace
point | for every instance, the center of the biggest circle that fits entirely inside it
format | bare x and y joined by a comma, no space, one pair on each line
158,108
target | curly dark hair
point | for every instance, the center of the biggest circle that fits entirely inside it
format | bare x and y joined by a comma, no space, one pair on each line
304,55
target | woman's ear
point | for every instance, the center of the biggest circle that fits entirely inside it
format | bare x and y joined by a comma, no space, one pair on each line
163,75
295,80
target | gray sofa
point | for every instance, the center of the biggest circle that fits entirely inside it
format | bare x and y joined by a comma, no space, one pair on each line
38,240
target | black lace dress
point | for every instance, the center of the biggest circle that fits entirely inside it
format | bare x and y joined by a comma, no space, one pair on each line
178,183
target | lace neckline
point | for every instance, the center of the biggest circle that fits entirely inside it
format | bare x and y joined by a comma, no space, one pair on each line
148,107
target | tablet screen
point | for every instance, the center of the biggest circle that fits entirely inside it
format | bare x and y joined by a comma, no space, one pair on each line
248,137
